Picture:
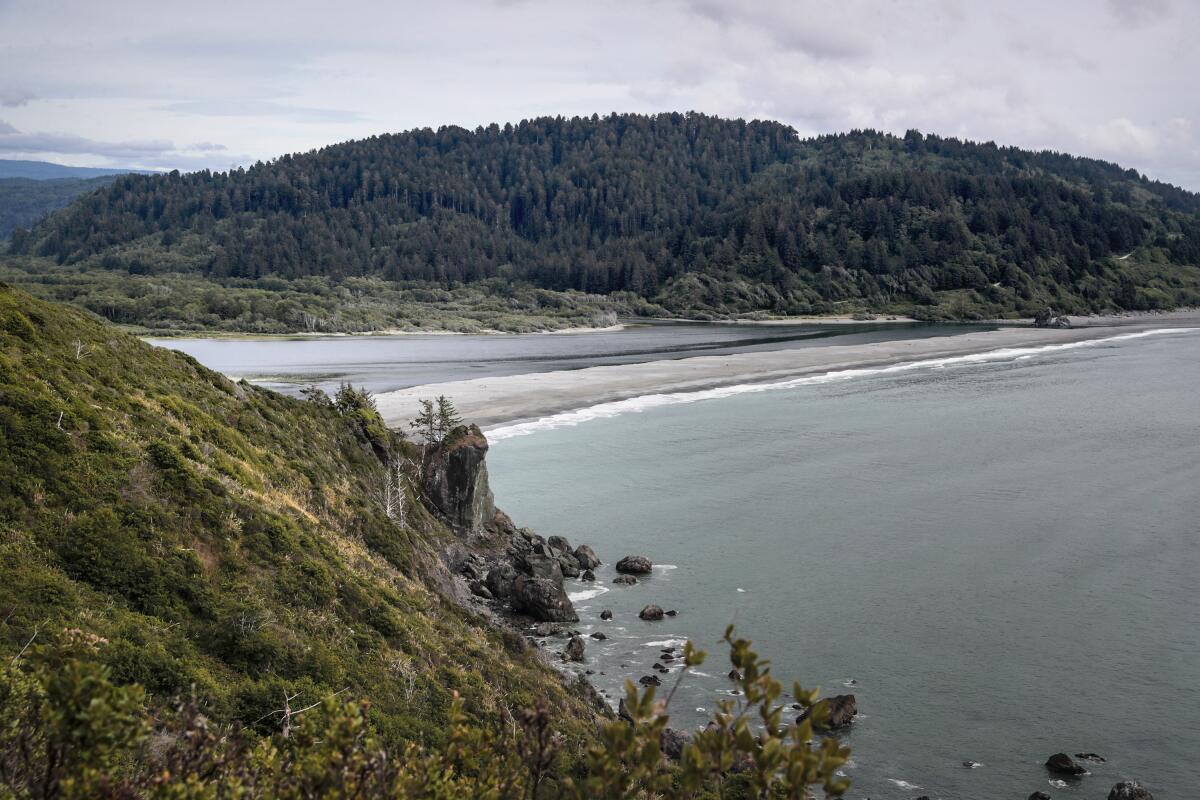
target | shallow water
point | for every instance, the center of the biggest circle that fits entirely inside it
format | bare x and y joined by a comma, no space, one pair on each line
1002,555
386,363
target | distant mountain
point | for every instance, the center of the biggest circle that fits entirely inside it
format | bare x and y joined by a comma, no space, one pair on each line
698,215
23,201
45,170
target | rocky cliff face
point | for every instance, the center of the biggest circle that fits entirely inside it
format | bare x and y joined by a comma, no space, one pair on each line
456,481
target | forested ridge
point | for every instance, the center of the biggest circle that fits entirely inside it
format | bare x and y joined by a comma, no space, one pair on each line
24,201
697,215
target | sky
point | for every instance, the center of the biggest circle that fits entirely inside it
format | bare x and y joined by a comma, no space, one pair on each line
180,84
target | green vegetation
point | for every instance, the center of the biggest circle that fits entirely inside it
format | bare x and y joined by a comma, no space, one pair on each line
688,214
227,540
182,303
206,592
24,201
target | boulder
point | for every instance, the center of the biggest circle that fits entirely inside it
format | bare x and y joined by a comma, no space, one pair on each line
1063,764
543,599
606,614
734,675
574,649
634,565
1039,796
456,480
587,575
842,709
625,580
1093,757
500,579
559,543
671,613
1049,318
586,557
672,743
536,565
1129,790
479,590
651,613
599,636
568,565
649,680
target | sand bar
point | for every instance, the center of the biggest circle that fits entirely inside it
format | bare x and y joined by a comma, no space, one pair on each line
513,398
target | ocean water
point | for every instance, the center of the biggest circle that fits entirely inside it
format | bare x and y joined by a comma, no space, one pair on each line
999,556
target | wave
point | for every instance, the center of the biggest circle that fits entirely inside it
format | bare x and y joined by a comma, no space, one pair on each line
636,405
587,594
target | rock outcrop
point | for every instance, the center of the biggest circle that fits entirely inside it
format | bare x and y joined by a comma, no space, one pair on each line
651,613
1049,318
634,565
574,649
586,557
1063,764
456,481
1129,790
543,599
842,709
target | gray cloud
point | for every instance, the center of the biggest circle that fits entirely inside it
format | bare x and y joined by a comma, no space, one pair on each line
13,141
277,76
11,98
1137,13
6,128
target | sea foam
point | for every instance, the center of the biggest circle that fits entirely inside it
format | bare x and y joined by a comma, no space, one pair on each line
636,405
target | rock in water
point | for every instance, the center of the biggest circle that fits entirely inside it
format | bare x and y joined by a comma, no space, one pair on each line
1039,796
543,599
651,613
634,565
625,580
559,543
606,614
574,649
1096,757
1129,790
649,680
599,636
1063,764
588,576
586,557
842,709
456,480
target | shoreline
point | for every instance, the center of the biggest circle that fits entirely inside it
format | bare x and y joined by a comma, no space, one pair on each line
507,400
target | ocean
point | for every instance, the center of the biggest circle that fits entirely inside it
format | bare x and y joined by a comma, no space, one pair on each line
997,555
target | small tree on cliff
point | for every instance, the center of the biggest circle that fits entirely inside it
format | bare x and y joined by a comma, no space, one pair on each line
447,417
426,423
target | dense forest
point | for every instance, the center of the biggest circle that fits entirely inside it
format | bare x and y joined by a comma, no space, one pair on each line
24,201
696,214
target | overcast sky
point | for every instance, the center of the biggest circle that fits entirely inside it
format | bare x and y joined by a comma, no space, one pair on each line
186,84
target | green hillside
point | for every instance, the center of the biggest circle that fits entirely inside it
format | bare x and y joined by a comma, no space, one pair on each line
226,540
674,213
24,201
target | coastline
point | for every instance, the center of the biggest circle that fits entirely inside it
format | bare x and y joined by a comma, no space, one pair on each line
506,400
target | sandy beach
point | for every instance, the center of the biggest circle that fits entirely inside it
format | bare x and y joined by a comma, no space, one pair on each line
514,398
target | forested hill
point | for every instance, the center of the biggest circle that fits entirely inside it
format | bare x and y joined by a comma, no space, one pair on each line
695,213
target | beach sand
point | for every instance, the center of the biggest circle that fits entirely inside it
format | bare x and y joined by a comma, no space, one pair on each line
489,402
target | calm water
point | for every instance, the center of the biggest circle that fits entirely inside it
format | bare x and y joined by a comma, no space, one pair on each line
1003,557
385,363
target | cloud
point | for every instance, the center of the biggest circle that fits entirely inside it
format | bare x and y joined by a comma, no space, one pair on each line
800,27
12,98
1139,13
262,108
13,141
208,147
